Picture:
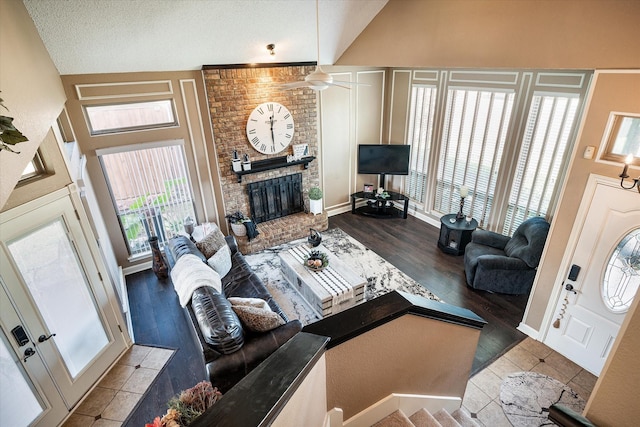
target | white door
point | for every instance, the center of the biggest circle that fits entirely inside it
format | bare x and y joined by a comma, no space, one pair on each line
588,316
28,395
51,280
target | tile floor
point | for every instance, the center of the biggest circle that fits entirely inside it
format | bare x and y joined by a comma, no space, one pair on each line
117,394
482,396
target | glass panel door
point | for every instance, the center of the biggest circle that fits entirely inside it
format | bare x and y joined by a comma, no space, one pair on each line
28,396
50,268
19,404
54,283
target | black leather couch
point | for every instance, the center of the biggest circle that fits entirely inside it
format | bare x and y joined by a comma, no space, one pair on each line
230,352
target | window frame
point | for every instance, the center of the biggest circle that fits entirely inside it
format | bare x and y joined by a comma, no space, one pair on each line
165,233
39,167
127,129
605,154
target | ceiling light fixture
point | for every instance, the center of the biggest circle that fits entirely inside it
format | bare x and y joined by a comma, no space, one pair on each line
271,48
624,175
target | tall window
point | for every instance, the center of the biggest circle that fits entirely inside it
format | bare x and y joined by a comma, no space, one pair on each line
150,191
421,118
505,135
542,155
473,139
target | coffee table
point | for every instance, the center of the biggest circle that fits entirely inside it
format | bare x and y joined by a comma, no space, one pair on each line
334,289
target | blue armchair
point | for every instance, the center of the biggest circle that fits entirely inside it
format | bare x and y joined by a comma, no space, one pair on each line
497,263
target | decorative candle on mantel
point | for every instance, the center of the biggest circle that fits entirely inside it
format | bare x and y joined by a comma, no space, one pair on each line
464,191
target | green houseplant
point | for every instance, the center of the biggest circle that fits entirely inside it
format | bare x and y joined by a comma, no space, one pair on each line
237,220
315,200
9,135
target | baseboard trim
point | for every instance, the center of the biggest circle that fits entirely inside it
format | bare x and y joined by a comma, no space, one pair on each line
528,330
137,268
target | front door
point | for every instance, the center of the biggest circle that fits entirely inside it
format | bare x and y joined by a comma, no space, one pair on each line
607,251
51,280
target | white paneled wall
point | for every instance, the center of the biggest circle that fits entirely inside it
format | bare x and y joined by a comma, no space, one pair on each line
348,118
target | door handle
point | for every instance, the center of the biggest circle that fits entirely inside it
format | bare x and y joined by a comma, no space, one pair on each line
569,287
43,338
28,353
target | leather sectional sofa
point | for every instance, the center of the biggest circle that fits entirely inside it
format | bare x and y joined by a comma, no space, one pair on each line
230,351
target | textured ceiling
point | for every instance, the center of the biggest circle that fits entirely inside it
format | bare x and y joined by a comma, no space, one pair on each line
110,36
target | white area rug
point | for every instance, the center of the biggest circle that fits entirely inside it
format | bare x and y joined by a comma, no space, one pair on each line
382,277
527,396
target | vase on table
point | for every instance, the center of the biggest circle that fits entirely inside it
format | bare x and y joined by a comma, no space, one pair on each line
159,264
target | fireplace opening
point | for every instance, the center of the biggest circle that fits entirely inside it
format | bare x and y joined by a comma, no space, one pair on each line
275,198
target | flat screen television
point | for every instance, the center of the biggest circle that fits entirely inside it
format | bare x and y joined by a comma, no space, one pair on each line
383,159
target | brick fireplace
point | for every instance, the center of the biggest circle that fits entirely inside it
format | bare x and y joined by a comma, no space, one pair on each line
232,94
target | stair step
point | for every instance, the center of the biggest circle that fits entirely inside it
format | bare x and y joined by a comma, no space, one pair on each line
445,419
464,418
395,419
422,418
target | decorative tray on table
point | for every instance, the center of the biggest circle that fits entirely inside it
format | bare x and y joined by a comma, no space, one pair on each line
316,261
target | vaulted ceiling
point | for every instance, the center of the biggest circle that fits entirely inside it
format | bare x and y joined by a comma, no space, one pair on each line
111,36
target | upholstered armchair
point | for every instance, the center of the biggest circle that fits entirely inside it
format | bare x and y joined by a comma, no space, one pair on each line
497,263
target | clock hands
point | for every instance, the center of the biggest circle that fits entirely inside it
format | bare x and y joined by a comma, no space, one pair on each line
273,140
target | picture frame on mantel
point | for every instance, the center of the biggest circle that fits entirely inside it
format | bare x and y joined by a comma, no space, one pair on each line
300,151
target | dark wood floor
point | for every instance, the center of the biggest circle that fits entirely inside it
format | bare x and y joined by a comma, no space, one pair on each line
411,245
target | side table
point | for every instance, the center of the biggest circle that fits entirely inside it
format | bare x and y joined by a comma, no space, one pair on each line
455,235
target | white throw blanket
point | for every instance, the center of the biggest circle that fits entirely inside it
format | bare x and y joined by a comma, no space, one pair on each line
189,274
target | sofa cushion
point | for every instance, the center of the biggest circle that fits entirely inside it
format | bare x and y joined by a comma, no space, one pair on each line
218,323
221,261
528,241
255,314
212,242
179,246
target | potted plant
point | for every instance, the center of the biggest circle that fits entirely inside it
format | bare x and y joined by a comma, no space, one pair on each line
237,221
315,200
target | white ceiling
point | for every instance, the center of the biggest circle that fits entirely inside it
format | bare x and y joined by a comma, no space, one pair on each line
111,36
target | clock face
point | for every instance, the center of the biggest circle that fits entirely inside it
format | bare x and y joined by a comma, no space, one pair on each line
270,128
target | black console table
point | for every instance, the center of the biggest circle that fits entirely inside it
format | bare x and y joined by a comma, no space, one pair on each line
380,207
455,234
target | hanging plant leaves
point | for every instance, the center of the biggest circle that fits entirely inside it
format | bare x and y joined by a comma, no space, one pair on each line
12,137
9,135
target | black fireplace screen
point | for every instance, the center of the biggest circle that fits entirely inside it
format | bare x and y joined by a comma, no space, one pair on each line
275,198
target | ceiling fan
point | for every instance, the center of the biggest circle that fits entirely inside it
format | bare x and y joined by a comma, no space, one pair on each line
318,79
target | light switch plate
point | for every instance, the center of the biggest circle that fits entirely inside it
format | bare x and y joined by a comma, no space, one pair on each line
588,152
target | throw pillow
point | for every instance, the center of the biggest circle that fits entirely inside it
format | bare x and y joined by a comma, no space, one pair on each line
221,261
255,314
212,242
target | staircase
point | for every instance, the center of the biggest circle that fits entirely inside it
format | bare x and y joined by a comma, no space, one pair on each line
423,418
393,410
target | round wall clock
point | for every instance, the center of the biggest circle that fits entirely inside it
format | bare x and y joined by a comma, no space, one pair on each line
270,128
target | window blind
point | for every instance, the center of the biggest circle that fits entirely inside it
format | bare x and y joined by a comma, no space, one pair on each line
151,193
541,157
421,118
471,148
